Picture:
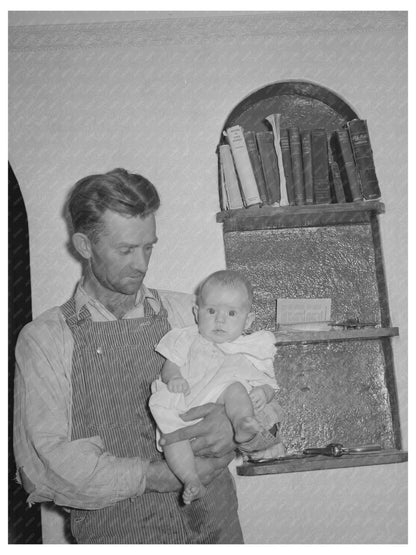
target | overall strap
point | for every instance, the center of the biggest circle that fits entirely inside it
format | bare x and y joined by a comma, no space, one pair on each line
148,311
68,310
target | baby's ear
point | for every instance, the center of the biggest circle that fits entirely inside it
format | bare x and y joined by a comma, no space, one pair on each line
195,310
249,320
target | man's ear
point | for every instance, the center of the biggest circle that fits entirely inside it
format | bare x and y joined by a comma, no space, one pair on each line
195,310
82,245
249,320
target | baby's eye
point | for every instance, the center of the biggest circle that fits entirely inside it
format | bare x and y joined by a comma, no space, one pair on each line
232,313
211,311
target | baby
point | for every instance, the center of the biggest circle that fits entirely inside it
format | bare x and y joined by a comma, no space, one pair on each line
214,361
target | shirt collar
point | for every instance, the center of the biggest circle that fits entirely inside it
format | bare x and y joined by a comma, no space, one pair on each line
82,298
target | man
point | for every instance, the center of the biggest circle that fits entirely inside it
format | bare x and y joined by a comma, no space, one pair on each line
84,437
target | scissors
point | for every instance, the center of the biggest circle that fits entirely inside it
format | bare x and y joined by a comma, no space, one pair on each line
337,450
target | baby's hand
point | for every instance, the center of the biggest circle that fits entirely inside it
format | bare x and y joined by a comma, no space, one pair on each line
178,385
258,398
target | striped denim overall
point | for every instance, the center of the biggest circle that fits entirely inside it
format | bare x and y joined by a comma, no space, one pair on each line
113,366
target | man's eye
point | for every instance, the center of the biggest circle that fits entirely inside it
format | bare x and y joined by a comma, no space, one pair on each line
126,251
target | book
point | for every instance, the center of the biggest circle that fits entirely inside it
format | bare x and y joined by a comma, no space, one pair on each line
363,157
320,174
342,152
235,138
250,138
307,165
231,186
221,184
337,188
297,165
269,162
274,121
287,165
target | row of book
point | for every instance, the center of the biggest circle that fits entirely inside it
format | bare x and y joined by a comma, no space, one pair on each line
290,166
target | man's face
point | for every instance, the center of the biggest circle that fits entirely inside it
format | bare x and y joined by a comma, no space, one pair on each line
223,312
120,257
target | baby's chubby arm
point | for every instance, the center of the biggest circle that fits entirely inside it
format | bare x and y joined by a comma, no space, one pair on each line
172,377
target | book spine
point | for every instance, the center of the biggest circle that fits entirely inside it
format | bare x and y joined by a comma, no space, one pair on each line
221,184
342,150
297,165
232,189
321,186
363,157
250,138
269,162
235,138
287,165
274,120
307,166
337,188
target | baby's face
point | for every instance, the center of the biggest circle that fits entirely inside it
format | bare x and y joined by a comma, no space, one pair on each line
223,312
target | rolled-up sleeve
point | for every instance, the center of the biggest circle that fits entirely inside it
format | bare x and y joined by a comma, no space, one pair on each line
50,466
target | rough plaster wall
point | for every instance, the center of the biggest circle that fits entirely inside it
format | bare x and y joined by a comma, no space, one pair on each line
155,101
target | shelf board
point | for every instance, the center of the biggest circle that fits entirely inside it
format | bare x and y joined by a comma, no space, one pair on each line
291,337
321,462
314,215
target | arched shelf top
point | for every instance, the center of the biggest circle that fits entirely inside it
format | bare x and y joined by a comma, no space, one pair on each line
301,103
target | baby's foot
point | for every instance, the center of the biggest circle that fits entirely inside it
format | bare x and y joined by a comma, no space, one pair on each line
192,491
245,429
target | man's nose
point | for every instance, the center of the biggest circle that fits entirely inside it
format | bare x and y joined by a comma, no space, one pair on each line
139,261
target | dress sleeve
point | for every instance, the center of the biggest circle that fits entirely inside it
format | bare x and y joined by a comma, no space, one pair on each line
50,466
175,345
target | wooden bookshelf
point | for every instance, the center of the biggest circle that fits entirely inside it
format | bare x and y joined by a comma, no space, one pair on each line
336,385
291,337
303,463
314,215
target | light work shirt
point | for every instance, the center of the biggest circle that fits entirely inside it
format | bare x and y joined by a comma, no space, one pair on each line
51,467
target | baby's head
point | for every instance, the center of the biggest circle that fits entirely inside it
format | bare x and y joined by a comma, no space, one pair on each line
223,306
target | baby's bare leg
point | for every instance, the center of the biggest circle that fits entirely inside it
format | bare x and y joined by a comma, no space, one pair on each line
181,461
239,409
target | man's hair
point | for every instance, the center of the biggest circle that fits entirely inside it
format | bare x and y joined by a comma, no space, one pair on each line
129,194
230,278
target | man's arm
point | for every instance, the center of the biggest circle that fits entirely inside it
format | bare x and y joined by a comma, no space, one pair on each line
50,466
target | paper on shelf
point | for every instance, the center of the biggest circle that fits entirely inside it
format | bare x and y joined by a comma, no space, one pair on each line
303,314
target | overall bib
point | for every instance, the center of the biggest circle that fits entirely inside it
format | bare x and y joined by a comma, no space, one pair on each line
113,366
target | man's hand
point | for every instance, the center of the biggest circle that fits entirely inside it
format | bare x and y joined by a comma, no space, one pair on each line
211,437
178,385
208,468
160,478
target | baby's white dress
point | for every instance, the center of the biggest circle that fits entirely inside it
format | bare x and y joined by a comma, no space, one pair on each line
209,368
